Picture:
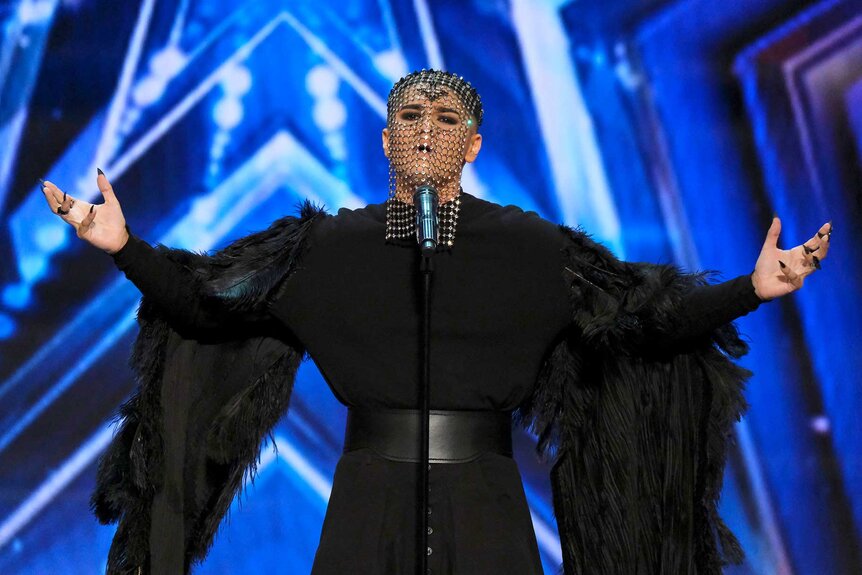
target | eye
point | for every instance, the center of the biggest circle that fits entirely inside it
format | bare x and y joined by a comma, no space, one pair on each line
450,120
409,116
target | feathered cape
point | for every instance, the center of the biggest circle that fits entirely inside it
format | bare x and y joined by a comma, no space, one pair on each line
638,439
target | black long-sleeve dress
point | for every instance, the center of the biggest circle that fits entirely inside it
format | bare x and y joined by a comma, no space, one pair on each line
499,305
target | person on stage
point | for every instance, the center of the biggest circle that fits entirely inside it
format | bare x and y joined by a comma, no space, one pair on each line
624,371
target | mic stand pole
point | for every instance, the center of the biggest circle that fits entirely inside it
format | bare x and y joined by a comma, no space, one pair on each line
426,267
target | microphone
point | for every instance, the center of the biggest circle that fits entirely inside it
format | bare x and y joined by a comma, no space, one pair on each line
427,227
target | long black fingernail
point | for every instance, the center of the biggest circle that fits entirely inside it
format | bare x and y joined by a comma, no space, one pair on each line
816,262
64,197
99,170
91,207
819,235
781,263
809,250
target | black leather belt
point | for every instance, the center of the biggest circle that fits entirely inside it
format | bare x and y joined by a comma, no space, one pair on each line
454,436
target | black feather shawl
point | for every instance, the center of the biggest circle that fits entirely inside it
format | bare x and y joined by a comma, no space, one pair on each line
638,439
226,422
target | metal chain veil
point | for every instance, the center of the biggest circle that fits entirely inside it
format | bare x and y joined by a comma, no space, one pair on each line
430,115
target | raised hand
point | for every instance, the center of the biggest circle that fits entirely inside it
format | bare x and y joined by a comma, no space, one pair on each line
108,232
780,272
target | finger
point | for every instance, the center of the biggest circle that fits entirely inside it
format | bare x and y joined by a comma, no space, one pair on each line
52,193
65,217
91,215
811,256
771,240
49,197
87,222
105,186
816,262
807,256
67,202
59,202
60,197
817,246
825,230
824,234
792,277
812,263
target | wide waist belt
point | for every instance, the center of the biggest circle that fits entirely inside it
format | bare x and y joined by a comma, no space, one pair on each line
454,436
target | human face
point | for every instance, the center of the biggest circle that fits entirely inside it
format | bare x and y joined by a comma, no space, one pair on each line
429,136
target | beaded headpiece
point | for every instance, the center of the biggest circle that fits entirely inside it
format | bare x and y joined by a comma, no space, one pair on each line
430,115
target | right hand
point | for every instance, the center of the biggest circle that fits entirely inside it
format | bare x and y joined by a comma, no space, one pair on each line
109,233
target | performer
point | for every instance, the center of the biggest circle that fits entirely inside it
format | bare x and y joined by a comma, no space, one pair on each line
623,370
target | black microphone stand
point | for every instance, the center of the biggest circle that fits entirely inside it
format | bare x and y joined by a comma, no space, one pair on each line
425,201
426,268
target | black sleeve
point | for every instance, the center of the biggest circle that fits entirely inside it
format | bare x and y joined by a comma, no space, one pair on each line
705,308
171,286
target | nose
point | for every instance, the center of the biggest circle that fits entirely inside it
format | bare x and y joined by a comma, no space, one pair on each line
425,123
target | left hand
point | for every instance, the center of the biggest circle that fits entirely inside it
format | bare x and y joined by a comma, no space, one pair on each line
780,272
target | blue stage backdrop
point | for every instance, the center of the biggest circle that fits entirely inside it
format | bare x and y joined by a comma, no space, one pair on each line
669,129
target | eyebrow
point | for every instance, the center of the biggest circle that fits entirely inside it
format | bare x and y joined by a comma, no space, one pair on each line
419,107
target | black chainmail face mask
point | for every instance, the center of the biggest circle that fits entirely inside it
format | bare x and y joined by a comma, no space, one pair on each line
430,117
